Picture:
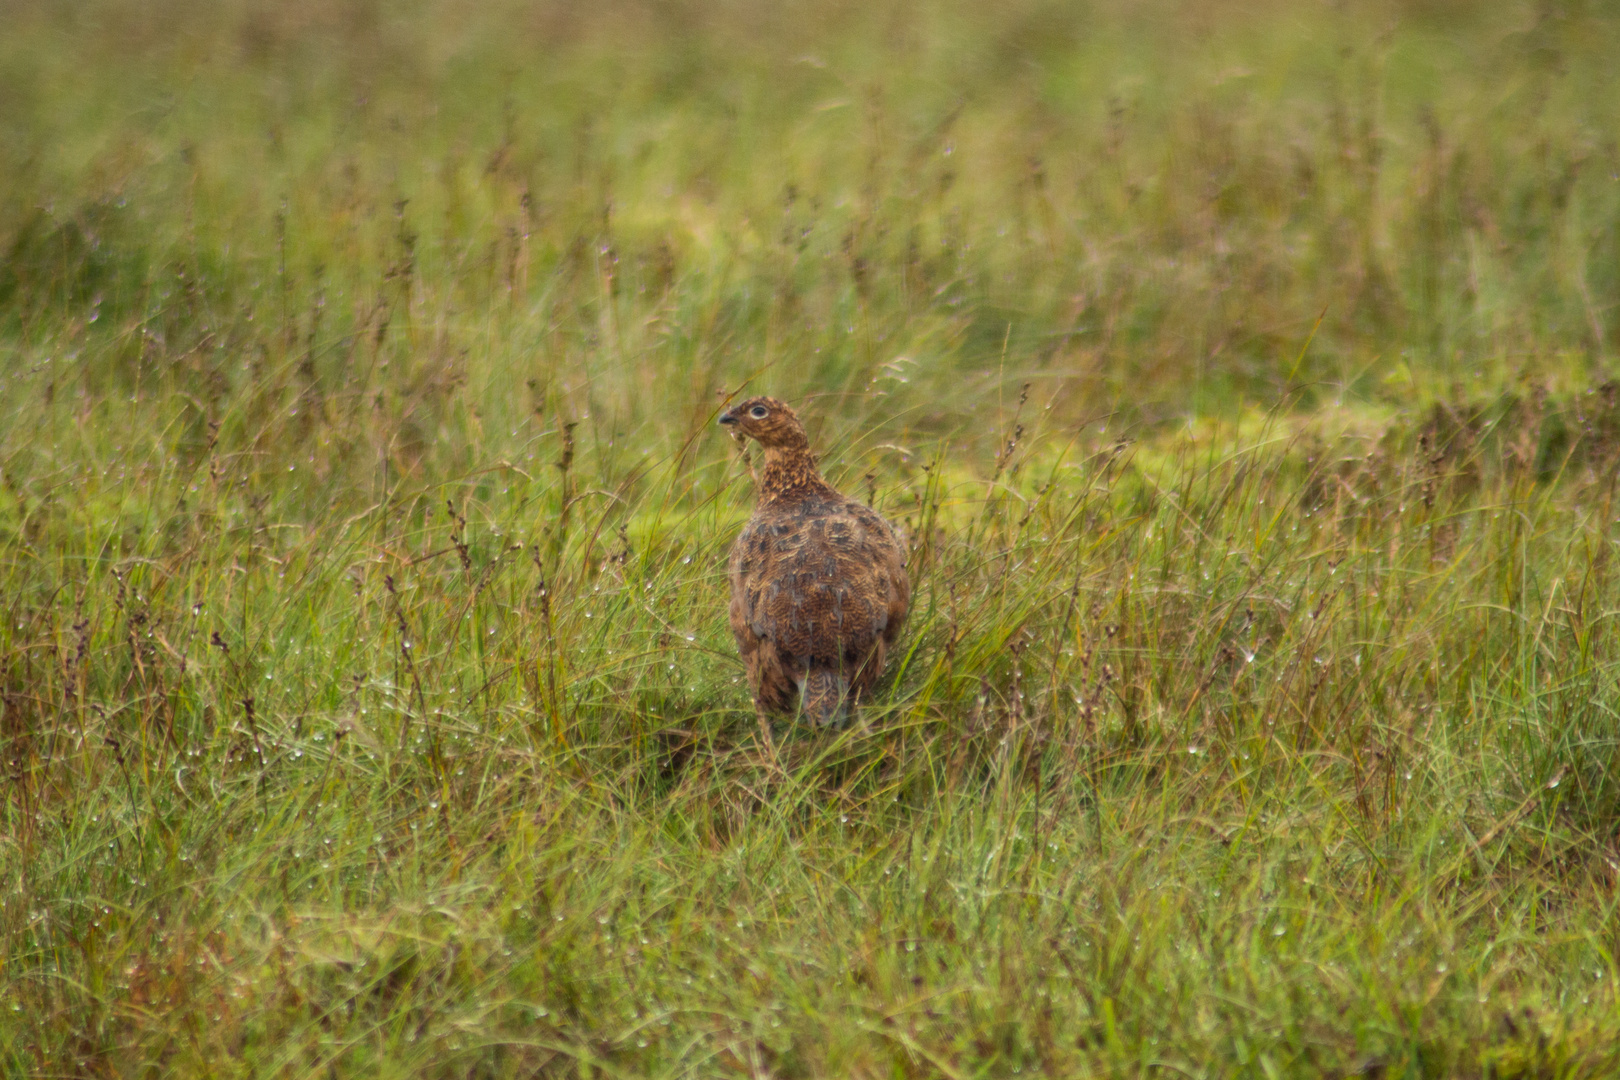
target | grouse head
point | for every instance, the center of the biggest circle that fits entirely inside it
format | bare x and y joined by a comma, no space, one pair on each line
767,421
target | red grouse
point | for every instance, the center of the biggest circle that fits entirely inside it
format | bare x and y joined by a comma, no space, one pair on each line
818,581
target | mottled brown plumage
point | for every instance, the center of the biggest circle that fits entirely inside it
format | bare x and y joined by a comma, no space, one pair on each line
818,581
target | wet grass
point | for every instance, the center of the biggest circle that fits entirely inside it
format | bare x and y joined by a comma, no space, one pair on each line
1238,374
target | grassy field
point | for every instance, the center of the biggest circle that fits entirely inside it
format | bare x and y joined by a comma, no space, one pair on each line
1239,373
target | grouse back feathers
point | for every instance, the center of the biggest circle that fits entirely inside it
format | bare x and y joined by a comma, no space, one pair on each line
818,581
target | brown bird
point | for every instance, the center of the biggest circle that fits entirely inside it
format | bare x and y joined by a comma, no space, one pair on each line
818,581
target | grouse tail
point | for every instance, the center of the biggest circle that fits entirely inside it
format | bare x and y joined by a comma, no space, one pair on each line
825,697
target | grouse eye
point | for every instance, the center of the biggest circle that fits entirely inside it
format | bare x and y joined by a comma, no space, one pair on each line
759,412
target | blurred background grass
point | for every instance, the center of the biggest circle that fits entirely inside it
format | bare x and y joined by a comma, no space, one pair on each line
1148,206
1238,372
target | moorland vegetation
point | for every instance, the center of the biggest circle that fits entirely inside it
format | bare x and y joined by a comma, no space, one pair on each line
1241,374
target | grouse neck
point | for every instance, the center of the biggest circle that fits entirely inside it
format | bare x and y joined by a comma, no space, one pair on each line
788,468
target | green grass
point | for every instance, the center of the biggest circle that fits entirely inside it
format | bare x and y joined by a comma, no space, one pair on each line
1238,372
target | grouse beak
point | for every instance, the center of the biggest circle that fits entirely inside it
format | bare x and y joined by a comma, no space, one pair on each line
728,418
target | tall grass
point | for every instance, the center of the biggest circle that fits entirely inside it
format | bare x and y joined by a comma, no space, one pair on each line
1236,372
